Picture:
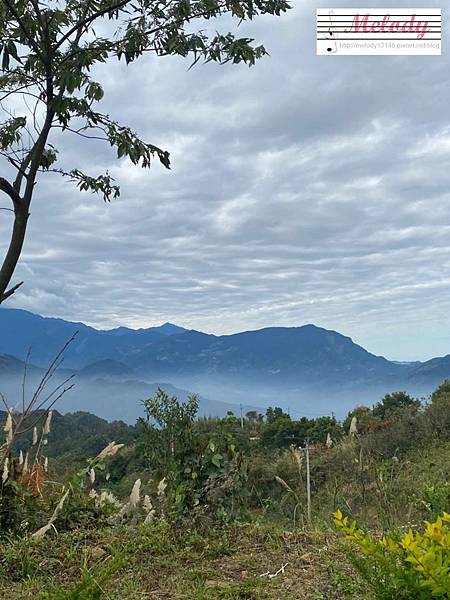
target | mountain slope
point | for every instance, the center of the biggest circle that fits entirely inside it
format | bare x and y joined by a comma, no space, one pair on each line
308,369
283,354
106,389
21,330
108,368
431,372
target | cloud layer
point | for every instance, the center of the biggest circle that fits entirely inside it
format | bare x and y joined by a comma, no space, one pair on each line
306,189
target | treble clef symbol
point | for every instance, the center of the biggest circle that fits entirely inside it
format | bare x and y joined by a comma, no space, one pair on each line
331,34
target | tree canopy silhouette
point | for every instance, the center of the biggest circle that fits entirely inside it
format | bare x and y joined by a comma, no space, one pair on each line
48,50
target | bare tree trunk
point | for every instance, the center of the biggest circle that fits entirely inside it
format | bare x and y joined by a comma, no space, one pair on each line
14,250
22,205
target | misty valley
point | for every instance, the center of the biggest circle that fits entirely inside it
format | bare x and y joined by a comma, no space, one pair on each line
308,371
224,301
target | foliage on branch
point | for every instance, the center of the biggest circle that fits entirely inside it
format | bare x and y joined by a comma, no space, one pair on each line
48,51
413,566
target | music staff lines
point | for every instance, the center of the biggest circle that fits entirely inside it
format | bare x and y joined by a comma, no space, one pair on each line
379,31
383,39
335,26
390,14
439,23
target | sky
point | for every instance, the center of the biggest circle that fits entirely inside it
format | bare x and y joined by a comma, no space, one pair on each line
307,189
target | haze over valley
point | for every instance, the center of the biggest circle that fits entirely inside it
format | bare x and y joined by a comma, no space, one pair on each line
306,370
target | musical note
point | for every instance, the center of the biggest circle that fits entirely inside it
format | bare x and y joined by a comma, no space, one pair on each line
330,35
379,31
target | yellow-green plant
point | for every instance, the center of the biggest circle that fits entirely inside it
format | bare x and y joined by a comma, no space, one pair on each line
415,565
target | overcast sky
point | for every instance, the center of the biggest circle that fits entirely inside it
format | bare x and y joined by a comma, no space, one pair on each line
304,190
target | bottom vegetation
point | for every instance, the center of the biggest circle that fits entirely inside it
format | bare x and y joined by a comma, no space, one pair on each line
182,508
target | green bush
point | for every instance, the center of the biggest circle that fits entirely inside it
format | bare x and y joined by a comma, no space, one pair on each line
205,473
435,498
415,566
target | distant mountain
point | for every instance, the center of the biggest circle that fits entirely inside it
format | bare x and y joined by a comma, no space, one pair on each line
308,369
277,354
105,388
10,364
432,372
21,330
287,354
165,329
107,367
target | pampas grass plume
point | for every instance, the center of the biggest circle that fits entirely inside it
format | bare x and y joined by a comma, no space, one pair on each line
5,471
110,450
9,423
135,494
108,498
25,464
162,487
148,508
43,530
297,456
8,428
284,484
48,421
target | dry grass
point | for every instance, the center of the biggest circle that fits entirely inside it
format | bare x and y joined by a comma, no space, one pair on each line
191,564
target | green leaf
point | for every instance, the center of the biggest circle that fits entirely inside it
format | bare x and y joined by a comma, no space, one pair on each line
217,460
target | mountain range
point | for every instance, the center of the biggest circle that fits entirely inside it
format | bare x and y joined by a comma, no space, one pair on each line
308,369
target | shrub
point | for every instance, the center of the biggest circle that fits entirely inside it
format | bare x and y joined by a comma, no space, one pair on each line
204,473
415,566
211,480
435,498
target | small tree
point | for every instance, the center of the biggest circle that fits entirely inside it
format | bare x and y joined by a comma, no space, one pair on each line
203,472
439,410
48,50
170,429
441,394
272,414
320,427
392,403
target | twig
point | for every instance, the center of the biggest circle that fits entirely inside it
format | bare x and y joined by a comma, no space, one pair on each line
24,378
10,292
271,576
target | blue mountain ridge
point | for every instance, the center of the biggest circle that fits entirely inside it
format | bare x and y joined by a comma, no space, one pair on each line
307,368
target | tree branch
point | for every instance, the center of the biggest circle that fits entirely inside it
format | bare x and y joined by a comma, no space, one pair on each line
24,29
6,187
16,242
88,20
21,172
10,292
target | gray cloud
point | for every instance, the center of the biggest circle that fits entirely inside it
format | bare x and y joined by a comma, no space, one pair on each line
306,189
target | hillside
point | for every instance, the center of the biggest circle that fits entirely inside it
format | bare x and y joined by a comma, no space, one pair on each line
277,353
297,354
106,388
431,372
21,330
244,531
308,370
